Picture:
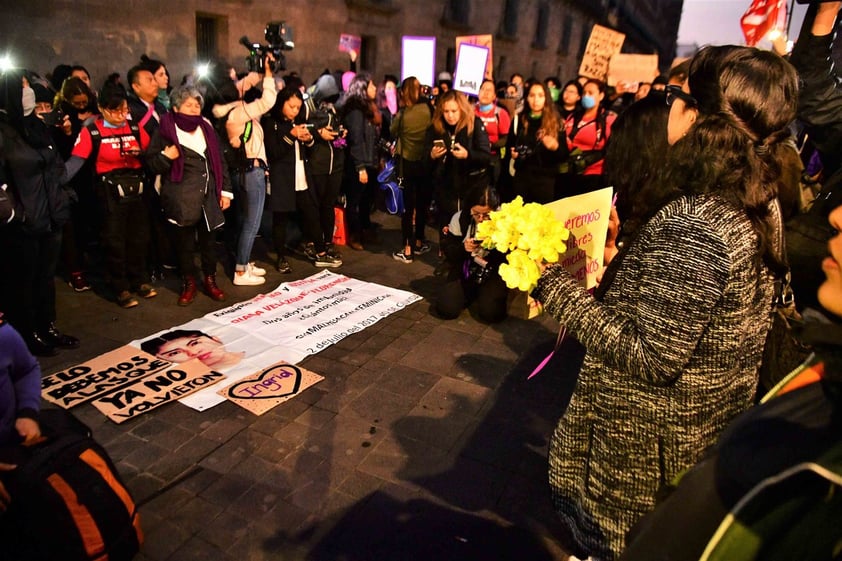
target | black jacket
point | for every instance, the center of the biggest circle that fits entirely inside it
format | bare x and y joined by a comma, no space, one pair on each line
194,198
454,178
363,135
326,158
34,178
280,155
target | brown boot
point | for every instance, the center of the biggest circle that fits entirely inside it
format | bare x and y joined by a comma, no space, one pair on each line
213,290
188,290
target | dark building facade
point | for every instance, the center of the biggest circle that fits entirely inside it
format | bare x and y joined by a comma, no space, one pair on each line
534,37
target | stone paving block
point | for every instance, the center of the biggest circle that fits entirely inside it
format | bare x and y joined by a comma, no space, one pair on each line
359,484
338,397
224,530
197,549
223,430
142,485
228,488
164,540
381,406
458,396
123,445
436,426
259,470
226,457
197,480
408,381
193,515
257,501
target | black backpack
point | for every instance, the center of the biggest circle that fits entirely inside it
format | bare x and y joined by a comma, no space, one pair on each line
234,158
68,501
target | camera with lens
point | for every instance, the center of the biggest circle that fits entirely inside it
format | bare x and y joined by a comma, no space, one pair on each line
478,270
54,118
279,37
524,150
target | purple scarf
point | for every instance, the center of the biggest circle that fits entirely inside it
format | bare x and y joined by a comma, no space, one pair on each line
188,123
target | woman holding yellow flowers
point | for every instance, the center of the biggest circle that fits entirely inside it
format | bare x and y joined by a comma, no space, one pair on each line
673,347
472,270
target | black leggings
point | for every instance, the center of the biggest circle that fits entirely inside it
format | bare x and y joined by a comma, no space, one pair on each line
490,298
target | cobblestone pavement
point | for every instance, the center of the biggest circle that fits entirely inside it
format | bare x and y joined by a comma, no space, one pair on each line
424,441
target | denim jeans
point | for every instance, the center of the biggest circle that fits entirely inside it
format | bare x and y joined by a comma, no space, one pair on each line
253,195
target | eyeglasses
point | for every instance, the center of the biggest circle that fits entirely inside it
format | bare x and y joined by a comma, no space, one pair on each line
674,92
480,215
120,111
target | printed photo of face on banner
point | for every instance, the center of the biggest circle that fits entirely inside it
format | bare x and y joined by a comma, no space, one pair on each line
181,345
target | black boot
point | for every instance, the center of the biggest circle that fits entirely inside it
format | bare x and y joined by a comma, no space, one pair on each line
58,339
39,347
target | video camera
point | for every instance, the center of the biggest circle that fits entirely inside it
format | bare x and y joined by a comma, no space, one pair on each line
280,38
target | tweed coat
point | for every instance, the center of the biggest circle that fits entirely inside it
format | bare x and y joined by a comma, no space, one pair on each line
672,356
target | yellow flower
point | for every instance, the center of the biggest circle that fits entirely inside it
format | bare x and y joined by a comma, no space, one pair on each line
528,234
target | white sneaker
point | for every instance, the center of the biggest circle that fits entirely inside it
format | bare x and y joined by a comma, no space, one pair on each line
255,270
247,278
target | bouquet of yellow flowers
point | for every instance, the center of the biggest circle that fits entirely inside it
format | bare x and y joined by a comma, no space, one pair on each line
526,233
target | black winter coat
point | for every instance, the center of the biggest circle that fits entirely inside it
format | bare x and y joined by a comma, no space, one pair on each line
195,197
326,158
453,178
280,155
34,176
363,135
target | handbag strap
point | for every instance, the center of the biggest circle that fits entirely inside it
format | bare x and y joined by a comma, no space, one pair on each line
784,295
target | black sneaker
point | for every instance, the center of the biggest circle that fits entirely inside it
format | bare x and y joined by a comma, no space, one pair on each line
283,266
331,250
310,251
56,338
126,300
399,255
147,291
327,260
422,249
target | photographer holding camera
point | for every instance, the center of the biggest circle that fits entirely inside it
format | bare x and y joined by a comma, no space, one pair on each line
472,271
243,128
536,143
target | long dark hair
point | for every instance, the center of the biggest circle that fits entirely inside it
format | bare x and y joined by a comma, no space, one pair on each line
746,99
634,158
550,120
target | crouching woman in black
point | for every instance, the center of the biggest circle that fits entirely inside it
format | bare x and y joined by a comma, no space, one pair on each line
472,271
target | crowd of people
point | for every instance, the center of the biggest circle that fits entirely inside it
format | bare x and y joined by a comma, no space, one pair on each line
675,332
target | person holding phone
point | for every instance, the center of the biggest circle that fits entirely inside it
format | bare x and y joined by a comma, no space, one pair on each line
287,135
459,151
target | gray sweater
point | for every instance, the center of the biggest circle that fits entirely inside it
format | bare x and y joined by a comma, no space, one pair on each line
672,356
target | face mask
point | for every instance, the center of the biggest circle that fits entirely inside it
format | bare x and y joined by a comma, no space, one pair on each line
28,101
554,93
486,108
588,102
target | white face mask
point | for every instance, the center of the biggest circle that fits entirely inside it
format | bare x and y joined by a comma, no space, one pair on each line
28,101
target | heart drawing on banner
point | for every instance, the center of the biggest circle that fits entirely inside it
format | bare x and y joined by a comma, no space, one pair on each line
278,381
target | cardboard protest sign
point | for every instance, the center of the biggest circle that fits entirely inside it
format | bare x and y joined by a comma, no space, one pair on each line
470,68
632,68
274,385
602,45
482,41
348,43
586,216
160,388
418,58
99,376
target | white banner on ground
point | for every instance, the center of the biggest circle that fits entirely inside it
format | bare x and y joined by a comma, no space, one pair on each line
293,321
